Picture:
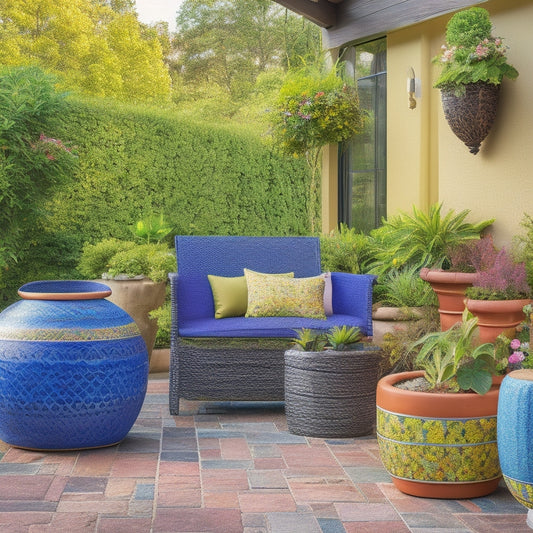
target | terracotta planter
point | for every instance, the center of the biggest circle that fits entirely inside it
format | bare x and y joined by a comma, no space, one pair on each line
138,297
497,316
391,319
471,115
450,289
438,445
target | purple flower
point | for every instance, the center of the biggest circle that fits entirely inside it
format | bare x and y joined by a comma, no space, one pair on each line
515,344
516,357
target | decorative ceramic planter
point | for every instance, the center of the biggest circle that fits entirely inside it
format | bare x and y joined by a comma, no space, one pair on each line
392,319
331,394
438,445
515,434
471,115
497,316
73,368
138,297
450,289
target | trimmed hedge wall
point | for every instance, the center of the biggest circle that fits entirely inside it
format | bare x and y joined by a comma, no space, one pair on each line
136,161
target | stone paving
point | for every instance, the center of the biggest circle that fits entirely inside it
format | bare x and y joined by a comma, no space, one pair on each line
226,468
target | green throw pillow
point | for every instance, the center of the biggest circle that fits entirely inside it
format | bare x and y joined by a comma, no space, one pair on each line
230,295
282,296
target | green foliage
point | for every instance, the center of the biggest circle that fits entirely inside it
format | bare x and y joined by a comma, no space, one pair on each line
343,338
524,247
308,340
404,288
91,48
95,258
471,54
421,239
453,360
152,228
163,316
337,338
135,161
113,258
340,250
31,163
154,261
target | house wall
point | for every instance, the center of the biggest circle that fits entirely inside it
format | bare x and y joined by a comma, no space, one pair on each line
426,163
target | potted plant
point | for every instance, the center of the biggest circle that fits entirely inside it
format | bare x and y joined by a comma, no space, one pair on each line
473,67
436,428
136,273
402,296
330,383
498,296
464,260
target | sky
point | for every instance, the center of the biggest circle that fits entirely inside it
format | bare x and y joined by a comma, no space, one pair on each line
155,10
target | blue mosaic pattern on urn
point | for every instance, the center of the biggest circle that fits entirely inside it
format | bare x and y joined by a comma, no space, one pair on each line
77,381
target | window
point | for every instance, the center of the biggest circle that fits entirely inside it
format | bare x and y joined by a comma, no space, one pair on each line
363,160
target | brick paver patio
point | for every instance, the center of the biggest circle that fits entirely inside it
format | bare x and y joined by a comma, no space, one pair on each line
226,468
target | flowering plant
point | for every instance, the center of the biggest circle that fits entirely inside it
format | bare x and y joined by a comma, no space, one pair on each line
517,349
471,54
503,280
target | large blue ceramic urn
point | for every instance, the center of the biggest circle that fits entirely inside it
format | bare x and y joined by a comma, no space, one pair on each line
73,368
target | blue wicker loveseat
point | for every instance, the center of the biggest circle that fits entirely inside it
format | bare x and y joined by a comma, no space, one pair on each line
230,359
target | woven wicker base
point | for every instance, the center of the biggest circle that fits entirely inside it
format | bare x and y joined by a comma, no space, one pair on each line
331,394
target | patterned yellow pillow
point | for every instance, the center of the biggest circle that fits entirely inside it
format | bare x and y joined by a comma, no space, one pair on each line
281,296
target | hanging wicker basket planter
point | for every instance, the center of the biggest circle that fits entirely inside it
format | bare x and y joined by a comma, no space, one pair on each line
471,115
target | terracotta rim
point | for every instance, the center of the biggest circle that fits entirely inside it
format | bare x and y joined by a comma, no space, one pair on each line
447,491
427,404
64,290
499,305
446,276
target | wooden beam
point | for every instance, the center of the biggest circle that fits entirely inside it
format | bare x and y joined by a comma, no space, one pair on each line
322,12
359,19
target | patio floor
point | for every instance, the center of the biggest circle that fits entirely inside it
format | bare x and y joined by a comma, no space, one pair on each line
226,468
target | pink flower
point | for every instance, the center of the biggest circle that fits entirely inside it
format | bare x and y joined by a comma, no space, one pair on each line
515,344
516,357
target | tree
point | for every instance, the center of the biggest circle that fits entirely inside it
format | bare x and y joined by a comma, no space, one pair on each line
223,46
89,46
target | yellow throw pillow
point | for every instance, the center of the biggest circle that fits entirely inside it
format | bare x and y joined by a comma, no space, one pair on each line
230,295
282,296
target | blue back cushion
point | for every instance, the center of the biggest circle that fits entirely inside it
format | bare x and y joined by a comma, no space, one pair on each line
199,256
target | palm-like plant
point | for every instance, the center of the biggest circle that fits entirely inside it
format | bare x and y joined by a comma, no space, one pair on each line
422,239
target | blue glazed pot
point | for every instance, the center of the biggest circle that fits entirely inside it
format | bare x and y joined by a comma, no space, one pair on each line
73,368
515,435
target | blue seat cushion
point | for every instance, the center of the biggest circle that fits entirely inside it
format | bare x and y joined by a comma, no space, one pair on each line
264,326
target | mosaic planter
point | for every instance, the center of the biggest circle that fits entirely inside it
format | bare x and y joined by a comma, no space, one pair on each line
73,368
515,434
438,445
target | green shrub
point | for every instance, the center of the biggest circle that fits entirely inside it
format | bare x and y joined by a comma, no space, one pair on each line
404,288
341,250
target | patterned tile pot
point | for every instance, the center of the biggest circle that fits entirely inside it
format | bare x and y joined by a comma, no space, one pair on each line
438,445
515,434
450,290
73,368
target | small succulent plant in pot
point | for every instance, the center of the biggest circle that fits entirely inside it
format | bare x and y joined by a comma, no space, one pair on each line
330,383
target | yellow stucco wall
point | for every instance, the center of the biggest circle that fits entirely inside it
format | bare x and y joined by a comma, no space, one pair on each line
427,163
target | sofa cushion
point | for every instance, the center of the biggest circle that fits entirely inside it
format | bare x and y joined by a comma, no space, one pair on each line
230,294
264,326
268,296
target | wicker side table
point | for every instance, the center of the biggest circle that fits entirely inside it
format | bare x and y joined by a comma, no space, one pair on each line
331,394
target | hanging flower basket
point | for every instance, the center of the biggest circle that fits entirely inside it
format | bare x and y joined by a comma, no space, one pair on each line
471,115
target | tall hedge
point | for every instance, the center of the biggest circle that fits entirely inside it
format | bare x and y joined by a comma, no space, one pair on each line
135,161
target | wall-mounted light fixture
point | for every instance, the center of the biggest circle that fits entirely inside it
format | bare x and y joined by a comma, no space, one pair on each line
413,87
